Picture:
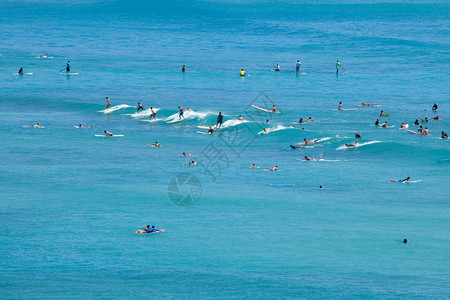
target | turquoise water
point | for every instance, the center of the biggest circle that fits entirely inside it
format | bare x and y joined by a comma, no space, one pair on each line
71,202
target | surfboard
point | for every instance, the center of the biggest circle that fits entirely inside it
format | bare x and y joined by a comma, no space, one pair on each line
23,74
369,105
201,132
410,131
44,56
114,135
68,74
386,115
155,231
207,127
445,159
345,109
263,109
279,184
114,108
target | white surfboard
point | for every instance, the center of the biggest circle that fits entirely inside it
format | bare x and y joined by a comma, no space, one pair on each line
266,110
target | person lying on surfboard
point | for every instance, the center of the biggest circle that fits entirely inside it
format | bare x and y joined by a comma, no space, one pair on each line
184,154
254,167
436,118
192,163
108,133
402,180
210,130
271,169
308,159
156,144
295,147
444,135
367,104
309,120
81,126
384,125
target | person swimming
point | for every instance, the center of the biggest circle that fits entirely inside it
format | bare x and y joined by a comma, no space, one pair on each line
153,115
402,180
444,135
277,68
140,107
242,73
108,103
108,133
219,120
156,144
21,71
181,113
254,167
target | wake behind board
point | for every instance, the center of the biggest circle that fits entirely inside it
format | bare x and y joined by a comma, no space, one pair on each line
266,110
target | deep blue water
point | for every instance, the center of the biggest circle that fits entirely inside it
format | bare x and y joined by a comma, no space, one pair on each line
70,202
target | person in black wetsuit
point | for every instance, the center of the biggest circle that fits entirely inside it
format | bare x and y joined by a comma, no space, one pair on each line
377,122
435,108
357,136
140,107
416,122
21,71
219,120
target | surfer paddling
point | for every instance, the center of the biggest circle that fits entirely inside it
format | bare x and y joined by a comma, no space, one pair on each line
254,167
271,169
192,163
108,133
188,155
444,135
402,180
156,144
436,118
81,126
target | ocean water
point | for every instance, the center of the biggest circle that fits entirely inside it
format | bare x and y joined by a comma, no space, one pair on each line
70,202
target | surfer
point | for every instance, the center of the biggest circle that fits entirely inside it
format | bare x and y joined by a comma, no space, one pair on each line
420,130
210,130
301,121
184,154
266,129
277,68
426,120
153,115
156,144
436,118
416,122
108,133
320,187
192,163
338,65
144,230
405,241
444,135
240,118
38,125
358,136
21,71
295,147
81,126
219,120
274,109
272,169
435,107
189,109
297,66
242,73
402,180
108,103
384,124
68,66
267,122
139,107
309,120
377,122
403,126
352,145
254,167
308,159
340,106
183,69
426,131
181,113
381,114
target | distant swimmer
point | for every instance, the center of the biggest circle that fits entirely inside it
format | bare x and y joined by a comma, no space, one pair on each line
140,107
267,122
68,66
210,130
277,68
81,126
254,167
340,106
435,107
189,109
403,126
240,118
402,180
426,131
37,125
190,155
192,163
358,136
271,169
367,104
301,121
181,113
436,118
108,133
242,73
21,71
416,122
309,120
444,135
219,120
108,103
320,188
297,66
274,109
338,65
425,120
377,122
295,147
153,115
156,144
384,124
183,69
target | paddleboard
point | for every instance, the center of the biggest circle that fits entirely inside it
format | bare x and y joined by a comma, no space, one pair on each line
345,109
263,109
103,135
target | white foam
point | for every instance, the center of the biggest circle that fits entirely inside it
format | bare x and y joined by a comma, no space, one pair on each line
143,113
114,108
277,128
358,145
188,115
233,122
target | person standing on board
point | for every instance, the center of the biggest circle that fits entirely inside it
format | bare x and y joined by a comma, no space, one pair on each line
297,66
338,65
219,120
68,66
242,73
108,103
